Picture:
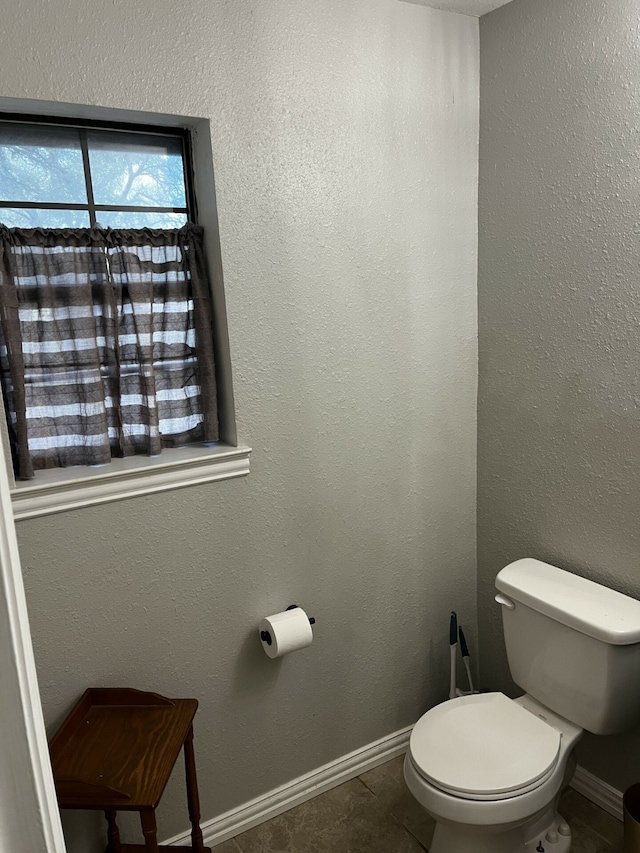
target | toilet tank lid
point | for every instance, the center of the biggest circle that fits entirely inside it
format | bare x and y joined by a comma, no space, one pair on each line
579,603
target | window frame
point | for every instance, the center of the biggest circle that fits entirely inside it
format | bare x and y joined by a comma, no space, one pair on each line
58,490
91,207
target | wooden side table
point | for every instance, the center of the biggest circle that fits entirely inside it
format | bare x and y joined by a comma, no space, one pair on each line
115,752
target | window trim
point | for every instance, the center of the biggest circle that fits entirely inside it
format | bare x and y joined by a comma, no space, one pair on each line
229,458
63,489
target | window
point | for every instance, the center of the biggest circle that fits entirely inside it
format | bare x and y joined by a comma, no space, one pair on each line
75,177
105,308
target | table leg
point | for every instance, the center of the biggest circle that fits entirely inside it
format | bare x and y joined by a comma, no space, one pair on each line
193,801
149,830
112,833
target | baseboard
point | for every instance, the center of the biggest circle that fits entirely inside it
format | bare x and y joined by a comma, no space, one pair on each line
599,792
304,788
299,790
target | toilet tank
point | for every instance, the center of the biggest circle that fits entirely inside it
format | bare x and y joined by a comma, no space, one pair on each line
572,644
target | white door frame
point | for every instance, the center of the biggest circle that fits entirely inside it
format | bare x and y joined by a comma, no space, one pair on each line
29,815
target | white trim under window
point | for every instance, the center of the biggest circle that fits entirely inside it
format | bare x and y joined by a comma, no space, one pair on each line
62,489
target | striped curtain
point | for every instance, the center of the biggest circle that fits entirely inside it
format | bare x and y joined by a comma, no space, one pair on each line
106,344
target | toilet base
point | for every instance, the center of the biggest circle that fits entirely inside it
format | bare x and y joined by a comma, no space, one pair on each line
455,838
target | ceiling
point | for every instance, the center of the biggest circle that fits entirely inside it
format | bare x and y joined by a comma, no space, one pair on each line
465,7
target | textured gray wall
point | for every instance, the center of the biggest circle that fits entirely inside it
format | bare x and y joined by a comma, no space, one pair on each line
345,148
559,308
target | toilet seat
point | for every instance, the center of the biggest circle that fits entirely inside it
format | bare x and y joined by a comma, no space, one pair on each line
484,747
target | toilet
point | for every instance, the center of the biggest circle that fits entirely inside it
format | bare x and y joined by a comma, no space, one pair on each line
489,769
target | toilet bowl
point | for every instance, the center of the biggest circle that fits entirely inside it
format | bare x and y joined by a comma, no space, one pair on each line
490,771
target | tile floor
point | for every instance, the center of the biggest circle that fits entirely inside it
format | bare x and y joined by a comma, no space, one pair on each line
377,814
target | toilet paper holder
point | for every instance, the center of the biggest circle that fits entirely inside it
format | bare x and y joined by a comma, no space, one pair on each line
265,636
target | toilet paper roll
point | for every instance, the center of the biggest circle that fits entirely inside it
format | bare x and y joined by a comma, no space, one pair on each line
285,632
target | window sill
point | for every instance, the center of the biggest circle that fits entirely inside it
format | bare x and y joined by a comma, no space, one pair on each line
74,488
